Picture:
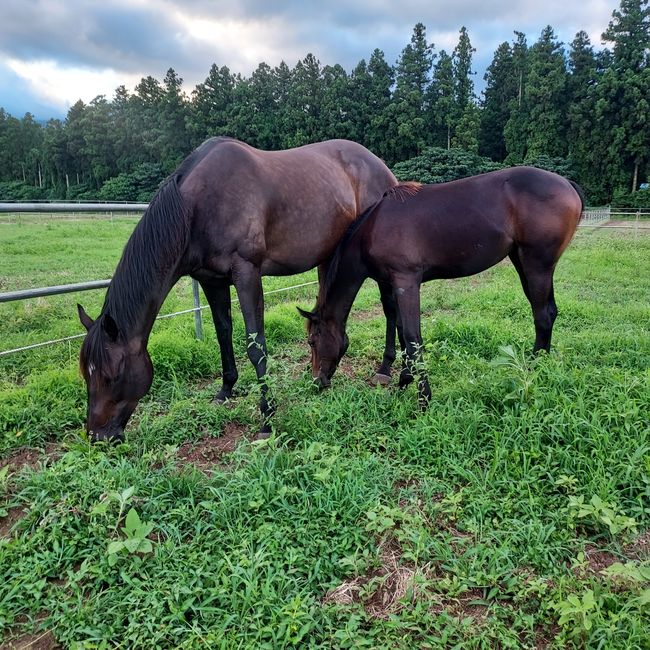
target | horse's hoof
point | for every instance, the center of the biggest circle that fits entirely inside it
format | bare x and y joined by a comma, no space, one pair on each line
222,397
380,379
263,435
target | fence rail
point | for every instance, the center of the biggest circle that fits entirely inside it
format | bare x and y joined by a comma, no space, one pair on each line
591,217
7,206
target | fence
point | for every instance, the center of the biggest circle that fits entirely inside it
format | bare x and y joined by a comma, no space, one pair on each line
591,217
26,294
616,217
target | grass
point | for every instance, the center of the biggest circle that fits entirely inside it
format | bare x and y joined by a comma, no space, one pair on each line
512,514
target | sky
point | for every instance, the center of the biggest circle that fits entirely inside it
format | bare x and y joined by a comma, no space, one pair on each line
55,52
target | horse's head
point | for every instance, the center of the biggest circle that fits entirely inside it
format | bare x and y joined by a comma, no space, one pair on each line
118,372
328,342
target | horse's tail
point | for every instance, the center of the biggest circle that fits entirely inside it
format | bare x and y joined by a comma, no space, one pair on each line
581,194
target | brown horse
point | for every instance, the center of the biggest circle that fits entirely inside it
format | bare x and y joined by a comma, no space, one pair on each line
227,216
418,233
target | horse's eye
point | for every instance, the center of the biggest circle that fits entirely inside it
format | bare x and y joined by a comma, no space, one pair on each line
311,342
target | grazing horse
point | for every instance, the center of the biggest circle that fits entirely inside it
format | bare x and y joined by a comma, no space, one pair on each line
227,216
419,232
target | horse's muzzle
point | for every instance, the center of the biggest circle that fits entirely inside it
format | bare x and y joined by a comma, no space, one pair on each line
322,382
112,437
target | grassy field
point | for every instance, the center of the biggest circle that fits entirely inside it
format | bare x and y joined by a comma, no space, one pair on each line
512,514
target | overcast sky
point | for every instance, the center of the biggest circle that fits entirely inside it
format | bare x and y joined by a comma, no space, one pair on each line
54,52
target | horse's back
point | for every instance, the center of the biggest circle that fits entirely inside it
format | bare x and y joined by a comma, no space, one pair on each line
283,211
464,226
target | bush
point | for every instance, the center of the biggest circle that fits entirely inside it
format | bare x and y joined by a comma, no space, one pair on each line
19,191
638,199
437,165
559,165
138,185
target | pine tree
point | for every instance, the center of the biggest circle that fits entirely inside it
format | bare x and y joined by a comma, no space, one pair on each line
545,91
466,115
500,90
515,131
379,118
411,79
623,104
440,111
211,106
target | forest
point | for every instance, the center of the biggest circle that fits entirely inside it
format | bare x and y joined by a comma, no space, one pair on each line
580,110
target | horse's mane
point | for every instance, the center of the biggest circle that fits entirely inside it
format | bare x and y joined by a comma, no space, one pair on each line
401,192
155,246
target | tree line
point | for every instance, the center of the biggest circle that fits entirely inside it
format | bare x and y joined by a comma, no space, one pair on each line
576,110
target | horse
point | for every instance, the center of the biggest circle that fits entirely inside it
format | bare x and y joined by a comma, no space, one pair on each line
418,233
228,215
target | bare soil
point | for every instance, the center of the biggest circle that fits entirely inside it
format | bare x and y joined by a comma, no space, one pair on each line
7,523
29,457
38,641
208,452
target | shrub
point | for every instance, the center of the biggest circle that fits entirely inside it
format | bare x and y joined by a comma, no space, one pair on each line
437,165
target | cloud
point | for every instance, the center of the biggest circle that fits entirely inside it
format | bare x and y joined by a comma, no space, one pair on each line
57,48
18,97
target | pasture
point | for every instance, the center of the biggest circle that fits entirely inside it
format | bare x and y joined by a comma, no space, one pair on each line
512,514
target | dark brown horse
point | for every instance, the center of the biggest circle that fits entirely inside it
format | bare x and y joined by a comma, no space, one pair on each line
418,233
227,216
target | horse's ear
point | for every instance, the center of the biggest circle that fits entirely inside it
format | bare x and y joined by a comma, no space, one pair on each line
86,320
110,327
309,315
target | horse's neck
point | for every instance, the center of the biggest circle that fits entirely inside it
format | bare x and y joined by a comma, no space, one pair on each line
134,302
337,301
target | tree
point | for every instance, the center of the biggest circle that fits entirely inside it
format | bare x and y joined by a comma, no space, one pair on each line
211,111
545,91
337,107
584,137
440,111
514,132
304,103
174,141
379,116
438,165
500,91
411,79
623,102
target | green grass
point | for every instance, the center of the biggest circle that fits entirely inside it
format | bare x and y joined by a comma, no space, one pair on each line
494,504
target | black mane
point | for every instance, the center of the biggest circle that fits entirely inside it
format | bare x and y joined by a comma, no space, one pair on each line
154,248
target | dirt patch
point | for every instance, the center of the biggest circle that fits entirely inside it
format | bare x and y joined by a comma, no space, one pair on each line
545,635
369,314
39,641
465,605
595,561
382,590
639,549
29,457
7,523
208,452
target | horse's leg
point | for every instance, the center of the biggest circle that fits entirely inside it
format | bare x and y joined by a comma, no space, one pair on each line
405,376
537,280
248,283
218,296
382,375
408,303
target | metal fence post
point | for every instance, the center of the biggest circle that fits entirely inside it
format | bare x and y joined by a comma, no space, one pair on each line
198,323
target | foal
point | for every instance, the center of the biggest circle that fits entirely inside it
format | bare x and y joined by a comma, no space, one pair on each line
418,233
